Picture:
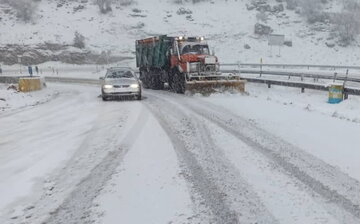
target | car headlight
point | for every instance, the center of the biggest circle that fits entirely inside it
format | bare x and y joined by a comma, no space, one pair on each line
107,86
134,86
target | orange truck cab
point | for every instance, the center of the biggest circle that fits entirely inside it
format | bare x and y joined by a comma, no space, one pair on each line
179,61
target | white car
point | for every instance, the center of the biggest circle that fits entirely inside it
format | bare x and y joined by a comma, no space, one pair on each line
119,82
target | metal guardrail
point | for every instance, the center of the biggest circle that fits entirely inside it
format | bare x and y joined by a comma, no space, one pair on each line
72,80
306,66
303,85
314,75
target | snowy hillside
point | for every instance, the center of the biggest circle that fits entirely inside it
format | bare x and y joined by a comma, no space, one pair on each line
228,26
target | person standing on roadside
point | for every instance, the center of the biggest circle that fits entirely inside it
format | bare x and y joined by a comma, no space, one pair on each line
37,70
30,70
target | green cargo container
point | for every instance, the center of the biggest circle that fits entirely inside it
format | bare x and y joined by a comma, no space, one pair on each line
152,52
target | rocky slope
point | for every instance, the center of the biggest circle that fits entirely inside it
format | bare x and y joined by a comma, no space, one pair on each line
236,29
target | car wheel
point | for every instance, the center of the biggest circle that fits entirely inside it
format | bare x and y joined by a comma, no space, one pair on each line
104,98
138,97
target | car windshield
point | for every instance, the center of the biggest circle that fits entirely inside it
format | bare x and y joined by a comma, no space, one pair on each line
196,49
119,74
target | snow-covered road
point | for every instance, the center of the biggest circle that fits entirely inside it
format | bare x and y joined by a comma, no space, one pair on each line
177,159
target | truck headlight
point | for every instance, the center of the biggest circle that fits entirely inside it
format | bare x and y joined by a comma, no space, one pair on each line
135,86
210,60
108,86
193,67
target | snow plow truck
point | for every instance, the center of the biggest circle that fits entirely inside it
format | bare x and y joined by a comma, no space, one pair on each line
184,63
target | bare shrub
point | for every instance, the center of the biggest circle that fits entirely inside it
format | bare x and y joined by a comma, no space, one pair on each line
79,40
197,1
262,16
311,9
104,5
348,26
25,9
347,22
352,5
126,2
183,11
191,1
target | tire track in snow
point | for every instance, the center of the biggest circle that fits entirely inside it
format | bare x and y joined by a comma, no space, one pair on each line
229,198
69,191
77,206
337,188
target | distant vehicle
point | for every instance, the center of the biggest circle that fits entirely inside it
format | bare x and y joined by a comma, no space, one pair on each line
119,82
185,63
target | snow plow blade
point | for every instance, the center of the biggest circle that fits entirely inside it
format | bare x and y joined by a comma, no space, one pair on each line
215,86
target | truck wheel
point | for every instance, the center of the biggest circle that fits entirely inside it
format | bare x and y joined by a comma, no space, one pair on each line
156,83
144,79
172,78
179,83
171,84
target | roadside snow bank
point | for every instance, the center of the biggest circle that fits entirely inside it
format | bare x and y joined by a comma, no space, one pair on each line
35,142
330,132
11,99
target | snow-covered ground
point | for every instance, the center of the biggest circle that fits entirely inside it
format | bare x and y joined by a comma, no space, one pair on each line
37,139
228,26
148,187
12,100
271,156
48,151
306,120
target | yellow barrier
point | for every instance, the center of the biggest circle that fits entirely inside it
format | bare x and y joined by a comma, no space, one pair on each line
29,84
336,93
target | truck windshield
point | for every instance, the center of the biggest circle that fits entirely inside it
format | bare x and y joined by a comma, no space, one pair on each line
196,49
119,74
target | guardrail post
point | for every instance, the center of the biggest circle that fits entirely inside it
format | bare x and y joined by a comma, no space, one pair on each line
346,94
335,75
302,90
346,77
269,85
